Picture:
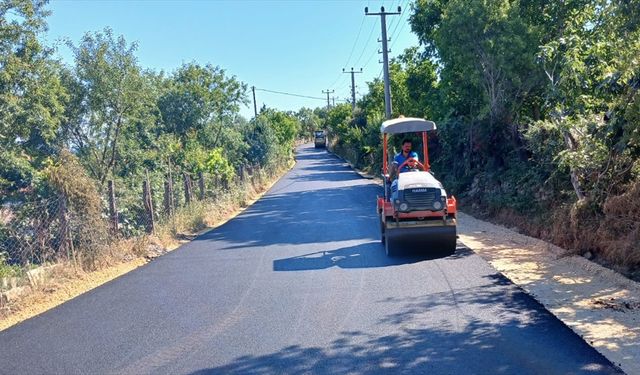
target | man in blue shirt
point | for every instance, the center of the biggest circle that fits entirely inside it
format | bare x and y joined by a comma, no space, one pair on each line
406,160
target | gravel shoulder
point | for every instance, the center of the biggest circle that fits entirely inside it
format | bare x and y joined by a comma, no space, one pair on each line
600,305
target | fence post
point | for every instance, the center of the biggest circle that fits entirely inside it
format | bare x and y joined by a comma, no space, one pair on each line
188,195
148,204
113,212
65,233
168,196
201,184
241,173
257,173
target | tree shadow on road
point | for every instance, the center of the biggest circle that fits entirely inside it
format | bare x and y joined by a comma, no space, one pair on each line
485,332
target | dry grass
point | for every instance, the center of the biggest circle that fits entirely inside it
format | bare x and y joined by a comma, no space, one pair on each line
619,233
71,278
611,234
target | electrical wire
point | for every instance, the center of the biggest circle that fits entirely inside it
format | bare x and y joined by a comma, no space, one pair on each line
340,76
296,95
356,42
373,26
393,33
291,94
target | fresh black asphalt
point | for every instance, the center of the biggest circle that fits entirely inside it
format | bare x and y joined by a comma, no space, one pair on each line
299,283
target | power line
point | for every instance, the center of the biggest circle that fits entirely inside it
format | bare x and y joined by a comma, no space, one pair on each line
356,42
391,23
393,33
375,53
353,48
399,32
290,94
373,26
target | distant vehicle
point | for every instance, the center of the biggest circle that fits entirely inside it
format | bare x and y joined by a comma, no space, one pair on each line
415,210
320,139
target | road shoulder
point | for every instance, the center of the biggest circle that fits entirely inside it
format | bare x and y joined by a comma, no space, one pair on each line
598,304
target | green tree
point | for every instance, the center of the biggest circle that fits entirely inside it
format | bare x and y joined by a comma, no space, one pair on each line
309,121
201,101
32,98
109,94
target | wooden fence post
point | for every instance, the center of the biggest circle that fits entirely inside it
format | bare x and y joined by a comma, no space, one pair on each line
148,204
241,173
113,211
168,196
201,185
188,194
66,242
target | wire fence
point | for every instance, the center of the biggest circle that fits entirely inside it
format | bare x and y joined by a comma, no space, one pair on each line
54,228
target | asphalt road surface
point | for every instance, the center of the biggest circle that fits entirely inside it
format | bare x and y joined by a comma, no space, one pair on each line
299,283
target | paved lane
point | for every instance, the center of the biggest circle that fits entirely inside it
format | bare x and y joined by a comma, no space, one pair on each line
299,283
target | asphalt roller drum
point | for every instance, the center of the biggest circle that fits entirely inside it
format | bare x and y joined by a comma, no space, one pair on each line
432,240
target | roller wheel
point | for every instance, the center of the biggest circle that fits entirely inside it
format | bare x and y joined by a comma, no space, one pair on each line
451,246
388,248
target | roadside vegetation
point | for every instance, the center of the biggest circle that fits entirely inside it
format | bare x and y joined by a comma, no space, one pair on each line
536,104
102,158
538,116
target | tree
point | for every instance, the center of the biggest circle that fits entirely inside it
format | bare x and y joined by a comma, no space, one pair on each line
309,121
32,98
590,67
109,94
201,101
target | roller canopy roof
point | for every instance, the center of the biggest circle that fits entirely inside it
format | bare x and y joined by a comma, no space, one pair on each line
407,125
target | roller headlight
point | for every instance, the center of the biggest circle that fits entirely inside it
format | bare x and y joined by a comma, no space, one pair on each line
437,205
404,206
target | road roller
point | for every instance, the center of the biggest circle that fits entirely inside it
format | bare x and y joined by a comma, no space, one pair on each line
416,214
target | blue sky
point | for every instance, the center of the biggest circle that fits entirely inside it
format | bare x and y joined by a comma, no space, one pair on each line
290,46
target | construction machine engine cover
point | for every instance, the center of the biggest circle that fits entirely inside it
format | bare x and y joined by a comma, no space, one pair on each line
419,191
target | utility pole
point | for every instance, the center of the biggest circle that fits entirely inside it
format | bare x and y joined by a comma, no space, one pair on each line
255,109
353,87
328,92
385,55
333,101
